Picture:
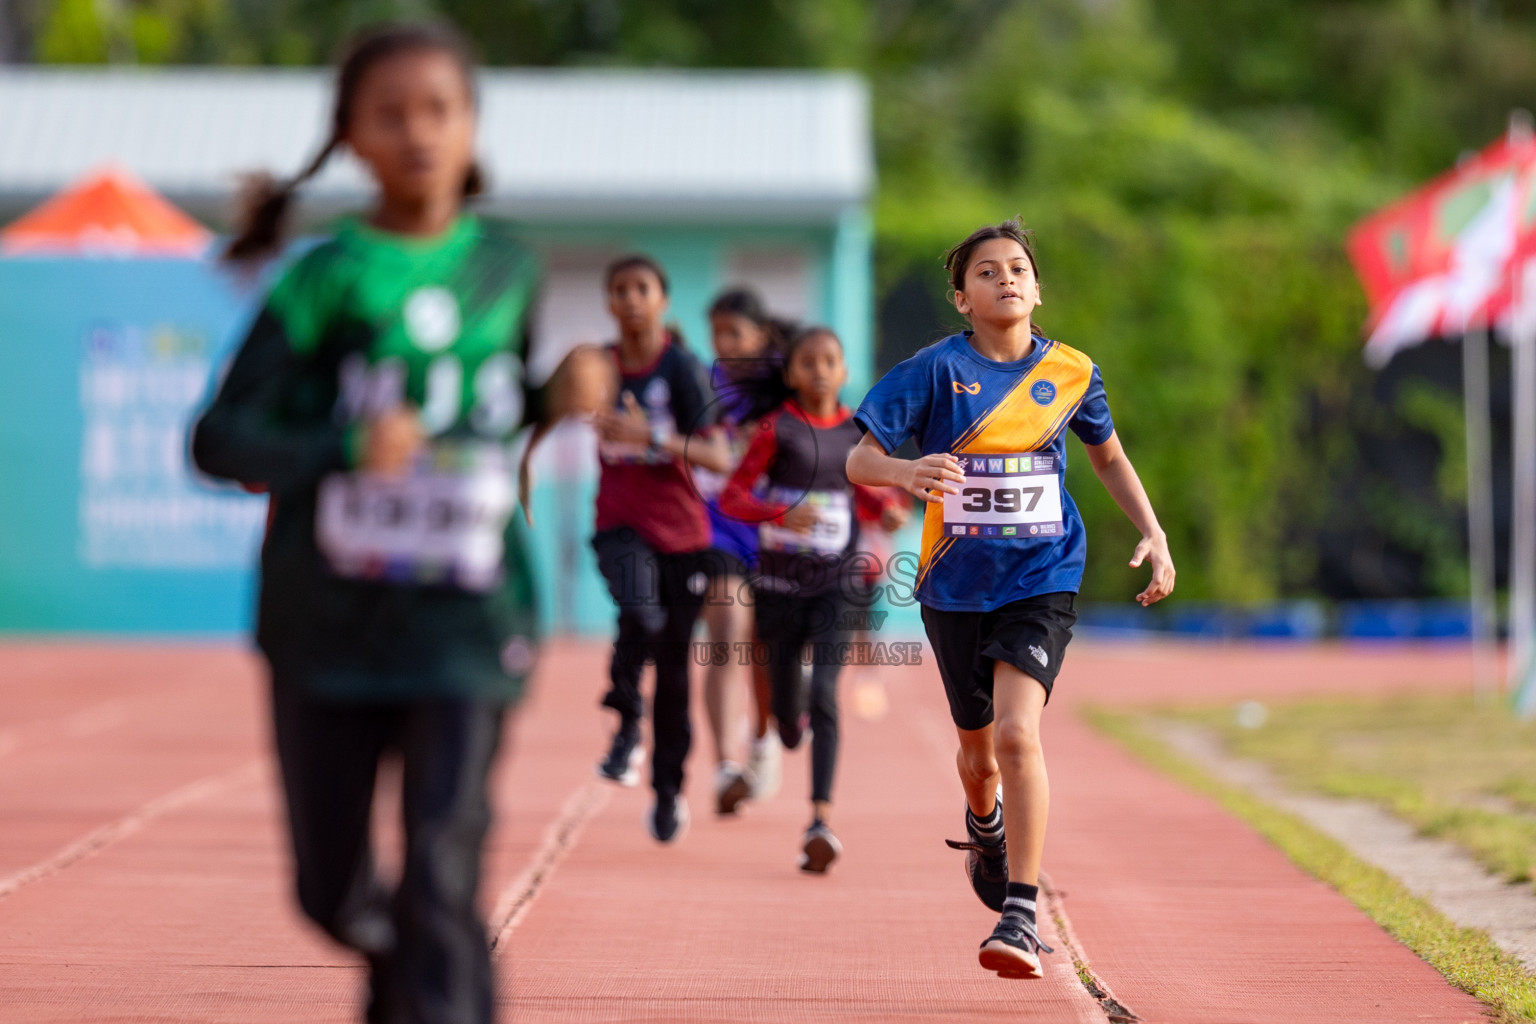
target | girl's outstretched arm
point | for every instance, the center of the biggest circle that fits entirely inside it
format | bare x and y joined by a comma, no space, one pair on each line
582,385
709,449
929,478
1119,478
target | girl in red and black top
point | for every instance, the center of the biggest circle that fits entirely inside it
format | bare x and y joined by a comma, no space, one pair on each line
651,529
791,481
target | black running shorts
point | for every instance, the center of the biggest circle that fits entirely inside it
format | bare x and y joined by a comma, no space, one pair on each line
1030,634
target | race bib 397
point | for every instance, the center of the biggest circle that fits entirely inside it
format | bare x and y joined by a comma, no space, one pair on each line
1006,497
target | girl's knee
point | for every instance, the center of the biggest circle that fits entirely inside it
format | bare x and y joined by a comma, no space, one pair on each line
1015,739
976,765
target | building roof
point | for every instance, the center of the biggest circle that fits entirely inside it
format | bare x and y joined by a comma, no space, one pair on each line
558,144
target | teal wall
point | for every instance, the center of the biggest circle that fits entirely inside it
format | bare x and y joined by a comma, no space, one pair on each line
116,535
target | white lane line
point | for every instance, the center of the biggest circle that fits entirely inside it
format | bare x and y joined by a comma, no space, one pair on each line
559,838
1116,1011
99,839
75,725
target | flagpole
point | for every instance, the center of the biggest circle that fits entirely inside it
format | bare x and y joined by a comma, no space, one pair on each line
1520,673
1522,557
1474,372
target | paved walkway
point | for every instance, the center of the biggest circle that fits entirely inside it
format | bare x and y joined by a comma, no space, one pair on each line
142,869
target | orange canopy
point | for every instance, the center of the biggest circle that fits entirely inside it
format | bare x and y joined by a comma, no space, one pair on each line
110,213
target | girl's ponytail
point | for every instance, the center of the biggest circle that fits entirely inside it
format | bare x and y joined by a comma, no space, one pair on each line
780,331
474,181
264,209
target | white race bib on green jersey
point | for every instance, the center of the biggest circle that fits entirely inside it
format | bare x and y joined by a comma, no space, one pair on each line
442,523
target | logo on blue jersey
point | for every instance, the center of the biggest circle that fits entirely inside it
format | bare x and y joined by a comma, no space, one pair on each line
1043,392
967,389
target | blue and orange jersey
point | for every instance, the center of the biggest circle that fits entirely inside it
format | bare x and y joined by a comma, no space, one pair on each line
949,398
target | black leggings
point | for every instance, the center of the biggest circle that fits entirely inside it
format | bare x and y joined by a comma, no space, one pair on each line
659,598
425,942
786,625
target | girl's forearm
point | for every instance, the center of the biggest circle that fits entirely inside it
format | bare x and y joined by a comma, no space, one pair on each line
873,468
710,452
1120,480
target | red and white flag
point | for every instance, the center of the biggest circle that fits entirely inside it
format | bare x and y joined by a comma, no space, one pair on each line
1444,260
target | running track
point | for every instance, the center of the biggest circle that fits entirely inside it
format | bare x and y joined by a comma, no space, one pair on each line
143,876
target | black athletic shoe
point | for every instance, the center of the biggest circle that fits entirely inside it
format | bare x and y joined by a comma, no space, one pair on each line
668,819
986,865
819,849
1013,949
625,756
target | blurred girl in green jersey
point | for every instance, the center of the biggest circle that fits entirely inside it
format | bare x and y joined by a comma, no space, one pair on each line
375,399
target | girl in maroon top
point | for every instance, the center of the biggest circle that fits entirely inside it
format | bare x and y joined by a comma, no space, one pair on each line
651,528
792,483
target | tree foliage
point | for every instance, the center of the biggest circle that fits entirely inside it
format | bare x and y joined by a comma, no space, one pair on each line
1190,168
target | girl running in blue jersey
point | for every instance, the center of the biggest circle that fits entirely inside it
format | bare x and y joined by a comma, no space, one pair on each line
748,381
375,397
1002,548
806,577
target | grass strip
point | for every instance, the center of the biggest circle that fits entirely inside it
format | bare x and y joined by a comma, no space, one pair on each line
1467,957
1449,767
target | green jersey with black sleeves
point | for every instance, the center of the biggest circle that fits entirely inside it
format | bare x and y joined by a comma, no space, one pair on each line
388,587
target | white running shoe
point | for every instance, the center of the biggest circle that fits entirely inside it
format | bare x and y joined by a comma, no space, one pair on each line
765,765
731,788
819,849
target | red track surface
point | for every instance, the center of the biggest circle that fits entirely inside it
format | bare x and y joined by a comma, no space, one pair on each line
143,873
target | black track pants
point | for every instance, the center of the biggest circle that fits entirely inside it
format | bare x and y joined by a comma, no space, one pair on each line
786,625
659,598
425,942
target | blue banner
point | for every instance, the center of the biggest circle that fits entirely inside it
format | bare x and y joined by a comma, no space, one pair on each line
103,525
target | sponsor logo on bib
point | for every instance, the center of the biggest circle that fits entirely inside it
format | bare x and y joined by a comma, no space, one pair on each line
432,318
1043,392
